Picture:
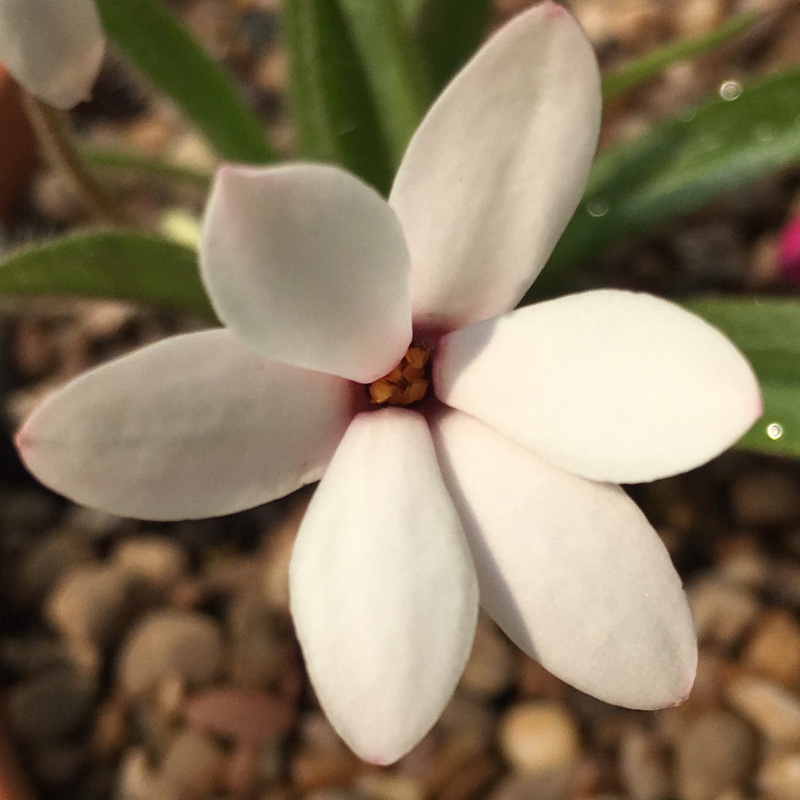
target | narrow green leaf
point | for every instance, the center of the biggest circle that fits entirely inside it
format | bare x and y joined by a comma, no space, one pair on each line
767,331
449,32
109,265
124,161
410,10
332,104
392,66
154,41
683,165
656,61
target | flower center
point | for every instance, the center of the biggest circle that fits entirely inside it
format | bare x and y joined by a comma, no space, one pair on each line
407,383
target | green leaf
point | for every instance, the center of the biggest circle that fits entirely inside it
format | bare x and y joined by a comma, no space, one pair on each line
392,66
154,41
767,331
133,163
109,265
683,165
410,10
332,104
449,32
656,61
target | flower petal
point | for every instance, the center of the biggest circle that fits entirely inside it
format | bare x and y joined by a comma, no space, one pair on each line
383,591
194,426
52,47
610,385
497,168
570,569
308,265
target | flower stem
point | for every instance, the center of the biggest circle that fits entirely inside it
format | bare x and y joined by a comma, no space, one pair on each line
54,133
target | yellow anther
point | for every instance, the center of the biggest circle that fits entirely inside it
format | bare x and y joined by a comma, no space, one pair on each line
406,383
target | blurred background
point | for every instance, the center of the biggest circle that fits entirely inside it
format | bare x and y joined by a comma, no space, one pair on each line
146,661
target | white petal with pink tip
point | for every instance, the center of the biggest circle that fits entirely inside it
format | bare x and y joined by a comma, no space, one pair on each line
54,48
570,569
383,591
608,384
308,265
194,426
497,168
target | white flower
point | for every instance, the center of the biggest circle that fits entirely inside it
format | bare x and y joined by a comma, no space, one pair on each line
498,474
54,48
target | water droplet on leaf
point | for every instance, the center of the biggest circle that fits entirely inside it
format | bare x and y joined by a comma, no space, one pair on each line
774,431
765,132
730,90
597,208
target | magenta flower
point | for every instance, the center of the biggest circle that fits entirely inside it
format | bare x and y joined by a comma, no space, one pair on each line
464,449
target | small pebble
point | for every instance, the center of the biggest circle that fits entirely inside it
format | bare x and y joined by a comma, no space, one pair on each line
642,765
772,709
390,786
539,738
527,787
765,497
259,658
60,763
490,668
88,607
192,767
773,650
466,716
723,613
779,776
156,561
242,770
48,561
136,778
167,643
51,705
278,553
242,715
717,752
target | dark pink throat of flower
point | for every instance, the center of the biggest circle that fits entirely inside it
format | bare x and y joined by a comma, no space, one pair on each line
407,383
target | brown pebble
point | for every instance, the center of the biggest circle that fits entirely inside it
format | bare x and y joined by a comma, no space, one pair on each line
242,770
765,497
278,553
312,770
642,765
489,670
110,730
469,720
170,643
48,561
779,776
88,607
528,787
153,560
242,715
389,786
717,752
741,561
772,709
713,671
137,779
539,738
192,767
534,681
723,613
773,650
